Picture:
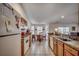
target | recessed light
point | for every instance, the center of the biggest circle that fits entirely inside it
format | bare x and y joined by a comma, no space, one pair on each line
62,17
56,29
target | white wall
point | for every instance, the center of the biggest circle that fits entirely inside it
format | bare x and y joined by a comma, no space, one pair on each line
70,19
41,25
19,9
10,46
53,26
26,45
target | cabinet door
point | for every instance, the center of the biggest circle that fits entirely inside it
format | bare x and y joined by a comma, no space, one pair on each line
66,53
49,40
55,49
60,48
55,46
51,43
71,50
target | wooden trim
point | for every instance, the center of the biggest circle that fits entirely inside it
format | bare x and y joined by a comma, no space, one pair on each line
9,35
22,46
51,48
26,51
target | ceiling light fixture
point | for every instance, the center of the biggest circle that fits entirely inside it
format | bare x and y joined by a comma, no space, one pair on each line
62,17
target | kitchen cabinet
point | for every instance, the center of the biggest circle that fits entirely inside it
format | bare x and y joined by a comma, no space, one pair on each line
55,46
51,43
60,48
66,53
70,51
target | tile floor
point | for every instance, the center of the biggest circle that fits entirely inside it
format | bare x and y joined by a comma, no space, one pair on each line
39,49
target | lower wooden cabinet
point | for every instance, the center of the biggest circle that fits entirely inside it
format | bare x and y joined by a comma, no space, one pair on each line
70,51
55,46
66,53
51,43
60,48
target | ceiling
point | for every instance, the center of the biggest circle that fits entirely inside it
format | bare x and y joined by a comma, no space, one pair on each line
44,13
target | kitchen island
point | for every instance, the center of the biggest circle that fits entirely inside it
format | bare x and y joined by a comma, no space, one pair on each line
63,47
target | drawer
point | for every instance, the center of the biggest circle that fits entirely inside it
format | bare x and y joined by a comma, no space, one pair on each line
71,50
66,53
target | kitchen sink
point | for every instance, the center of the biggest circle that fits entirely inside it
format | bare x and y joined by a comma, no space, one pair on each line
65,39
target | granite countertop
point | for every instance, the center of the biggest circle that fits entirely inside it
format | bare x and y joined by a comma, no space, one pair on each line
73,43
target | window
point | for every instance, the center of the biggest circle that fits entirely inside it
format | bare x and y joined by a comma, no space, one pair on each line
63,30
32,29
39,30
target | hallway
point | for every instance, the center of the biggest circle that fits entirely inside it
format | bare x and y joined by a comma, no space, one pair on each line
39,49
53,23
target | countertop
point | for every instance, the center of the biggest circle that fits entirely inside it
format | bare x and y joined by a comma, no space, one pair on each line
73,43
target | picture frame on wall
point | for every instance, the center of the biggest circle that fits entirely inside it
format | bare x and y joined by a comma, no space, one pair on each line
23,21
73,28
8,25
17,21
